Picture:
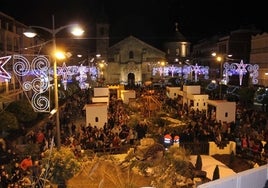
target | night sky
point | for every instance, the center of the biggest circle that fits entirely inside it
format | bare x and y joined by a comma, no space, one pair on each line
152,21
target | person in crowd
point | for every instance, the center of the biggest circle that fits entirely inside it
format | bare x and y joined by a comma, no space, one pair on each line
40,137
4,179
90,143
26,163
116,141
131,136
30,137
73,128
265,150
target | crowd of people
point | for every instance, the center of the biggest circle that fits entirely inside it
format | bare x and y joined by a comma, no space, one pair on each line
248,131
112,135
22,173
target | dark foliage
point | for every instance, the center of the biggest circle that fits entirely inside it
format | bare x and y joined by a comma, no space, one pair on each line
232,158
198,164
216,173
23,110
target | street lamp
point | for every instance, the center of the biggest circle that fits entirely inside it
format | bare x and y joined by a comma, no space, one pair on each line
220,59
75,31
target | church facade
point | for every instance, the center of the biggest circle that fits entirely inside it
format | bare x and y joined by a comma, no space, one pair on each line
131,61
134,62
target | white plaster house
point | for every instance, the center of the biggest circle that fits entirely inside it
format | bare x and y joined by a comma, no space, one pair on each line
128,94
173,92
222,110
96,114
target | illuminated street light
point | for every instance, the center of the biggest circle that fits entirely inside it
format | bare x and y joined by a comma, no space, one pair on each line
75,31
60,55
220,59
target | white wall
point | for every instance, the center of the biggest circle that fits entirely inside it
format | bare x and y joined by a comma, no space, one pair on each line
192,89
228,149
100,99
224,108
101,91
173,92
200,101
253,178
96,111
127,94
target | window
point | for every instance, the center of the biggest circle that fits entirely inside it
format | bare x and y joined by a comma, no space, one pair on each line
191,103
16,45
131,55
148,67
101,31
177,51
9,43
226,114
96,119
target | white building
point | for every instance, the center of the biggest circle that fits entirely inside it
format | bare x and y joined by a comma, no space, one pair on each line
221,110
96,114
173,92
128,94
192,98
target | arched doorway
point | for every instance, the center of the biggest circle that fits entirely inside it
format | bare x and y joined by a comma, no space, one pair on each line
131,79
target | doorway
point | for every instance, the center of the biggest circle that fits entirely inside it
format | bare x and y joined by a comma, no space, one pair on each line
131,80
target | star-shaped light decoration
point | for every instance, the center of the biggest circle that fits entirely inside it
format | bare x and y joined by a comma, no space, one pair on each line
3,72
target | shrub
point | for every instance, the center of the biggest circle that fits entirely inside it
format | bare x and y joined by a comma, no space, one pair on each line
198,164
216,173
232,158
61,164
8,122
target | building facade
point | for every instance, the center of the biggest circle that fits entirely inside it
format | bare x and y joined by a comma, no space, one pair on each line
259,56
236,44
12,42
131,62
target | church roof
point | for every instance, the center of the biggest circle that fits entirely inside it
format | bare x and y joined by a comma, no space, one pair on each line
131,40
177,36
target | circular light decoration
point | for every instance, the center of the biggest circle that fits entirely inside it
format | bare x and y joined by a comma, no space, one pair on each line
40,65
40,103
21,65
26,86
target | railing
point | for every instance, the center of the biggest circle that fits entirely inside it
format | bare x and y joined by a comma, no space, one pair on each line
112,150
201,148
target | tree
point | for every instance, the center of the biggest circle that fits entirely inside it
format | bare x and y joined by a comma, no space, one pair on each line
61,164
216,173
23,110
8,122
232,158
246,96
198,164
